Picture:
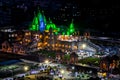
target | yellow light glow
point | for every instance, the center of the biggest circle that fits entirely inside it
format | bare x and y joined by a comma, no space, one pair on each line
26,40
59,45
62,71
104,74
46,37
48,44
46,30
69,46
75,47
45,43
83,46
26,34
40,36
29,33
56,44
39,44
46,61
52,45
26,68
20,42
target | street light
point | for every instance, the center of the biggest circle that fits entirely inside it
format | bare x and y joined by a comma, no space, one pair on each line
26,68
46,61
62,71
12,73
73,67
83,45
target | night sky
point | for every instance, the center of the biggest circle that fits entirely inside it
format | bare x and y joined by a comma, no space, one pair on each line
101,15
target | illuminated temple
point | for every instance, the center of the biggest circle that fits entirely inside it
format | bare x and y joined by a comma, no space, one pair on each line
44,34
40,23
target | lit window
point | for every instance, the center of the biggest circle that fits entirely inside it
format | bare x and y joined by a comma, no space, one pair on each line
69,46
26,34
29,33
39,44
26,40
65,45
46,36
48,33
40,36
48,44
15,34
52,45
12,35
56,44
59,45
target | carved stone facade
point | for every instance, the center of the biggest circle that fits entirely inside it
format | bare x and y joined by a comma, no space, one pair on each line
72,59
15,48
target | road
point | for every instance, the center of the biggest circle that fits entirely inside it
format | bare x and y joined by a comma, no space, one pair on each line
13,56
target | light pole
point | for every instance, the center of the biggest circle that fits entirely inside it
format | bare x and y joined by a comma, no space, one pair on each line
61,73
12,74
83,46
73,70
26,68
46,62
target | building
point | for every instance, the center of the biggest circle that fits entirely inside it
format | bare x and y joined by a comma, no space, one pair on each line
10,34
44,34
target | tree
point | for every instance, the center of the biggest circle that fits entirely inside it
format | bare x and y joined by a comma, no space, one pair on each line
67,57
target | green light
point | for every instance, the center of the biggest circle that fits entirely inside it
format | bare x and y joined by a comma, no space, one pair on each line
48,27
71,29
68,33
54,27
40,23
63,33
56,33
39,15
34,25
36,20
51,25
58,29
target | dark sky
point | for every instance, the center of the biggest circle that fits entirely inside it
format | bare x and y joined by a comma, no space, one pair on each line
94,14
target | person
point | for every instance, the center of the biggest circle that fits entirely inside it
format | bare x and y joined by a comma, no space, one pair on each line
76,74
60,76
102,78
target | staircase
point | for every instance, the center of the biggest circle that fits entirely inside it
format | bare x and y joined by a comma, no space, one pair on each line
93,45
